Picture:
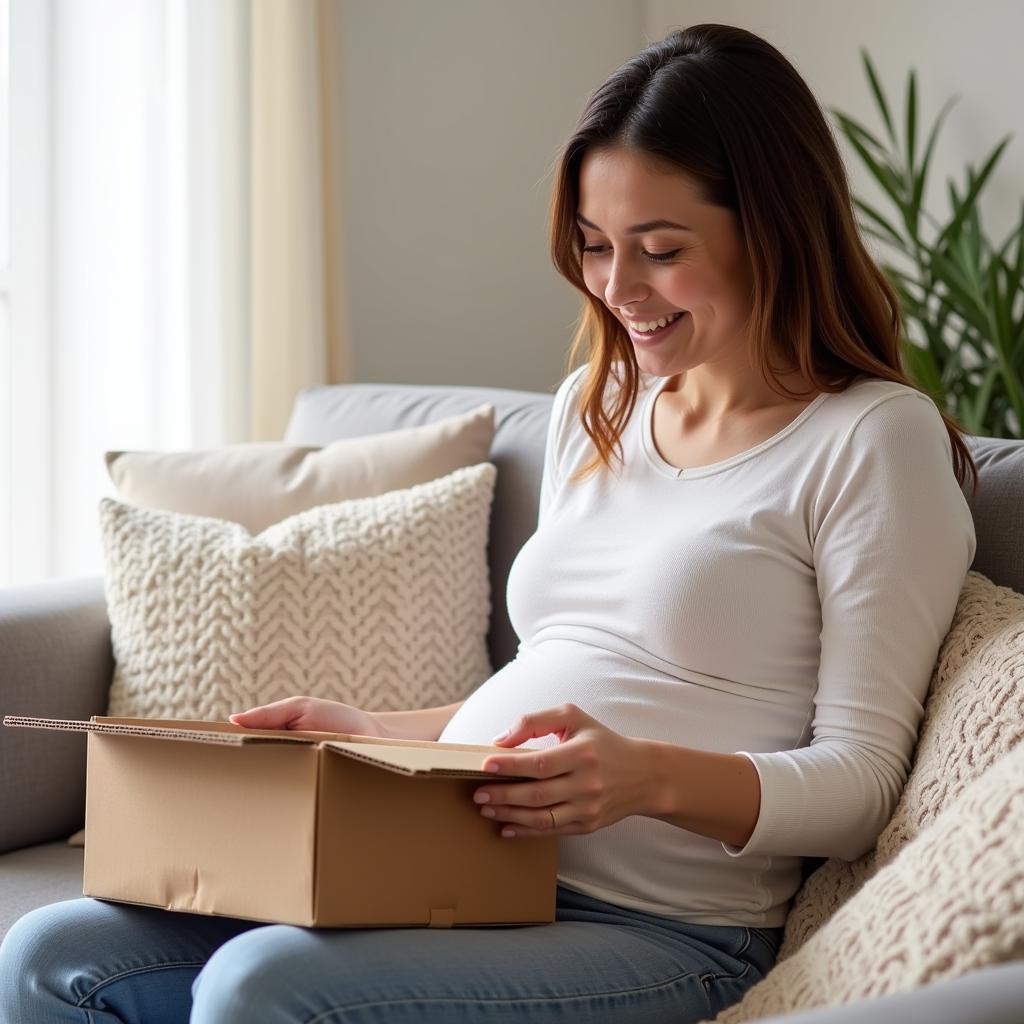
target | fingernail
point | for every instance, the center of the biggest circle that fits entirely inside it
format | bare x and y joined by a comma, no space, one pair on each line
500,736
493,768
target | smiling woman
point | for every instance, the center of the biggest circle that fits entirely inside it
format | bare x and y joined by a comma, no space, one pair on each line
725,639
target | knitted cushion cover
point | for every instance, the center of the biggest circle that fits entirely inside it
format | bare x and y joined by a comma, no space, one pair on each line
974,715
380,602
950,902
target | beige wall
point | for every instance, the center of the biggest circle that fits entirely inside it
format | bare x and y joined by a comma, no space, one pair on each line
454,111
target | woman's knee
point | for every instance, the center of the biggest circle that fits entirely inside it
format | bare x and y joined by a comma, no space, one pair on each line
33,974
251,977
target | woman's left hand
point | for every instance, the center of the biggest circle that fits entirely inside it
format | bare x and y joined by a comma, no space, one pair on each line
594,777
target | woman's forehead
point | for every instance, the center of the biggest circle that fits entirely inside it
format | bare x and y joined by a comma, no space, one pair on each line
619,176
624,196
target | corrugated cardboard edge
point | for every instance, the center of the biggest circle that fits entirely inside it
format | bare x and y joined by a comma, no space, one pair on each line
412,758
71,725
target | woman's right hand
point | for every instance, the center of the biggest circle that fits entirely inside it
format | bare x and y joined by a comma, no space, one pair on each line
313,714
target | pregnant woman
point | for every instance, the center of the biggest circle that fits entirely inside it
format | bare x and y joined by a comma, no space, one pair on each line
751,541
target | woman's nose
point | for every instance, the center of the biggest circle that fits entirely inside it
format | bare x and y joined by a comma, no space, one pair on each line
625,286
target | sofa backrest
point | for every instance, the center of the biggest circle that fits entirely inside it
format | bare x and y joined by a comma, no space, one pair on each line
332,412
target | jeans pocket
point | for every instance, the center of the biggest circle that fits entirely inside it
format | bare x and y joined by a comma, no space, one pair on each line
765,948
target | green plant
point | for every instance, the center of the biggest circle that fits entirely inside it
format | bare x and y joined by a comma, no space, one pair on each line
963,332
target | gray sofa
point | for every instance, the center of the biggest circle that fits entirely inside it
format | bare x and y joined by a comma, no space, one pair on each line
56,661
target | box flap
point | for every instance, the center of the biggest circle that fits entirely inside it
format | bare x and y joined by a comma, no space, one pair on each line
233,736
434,759
407,757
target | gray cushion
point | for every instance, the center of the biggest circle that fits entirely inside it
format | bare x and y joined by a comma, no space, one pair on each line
37,876
55,662
998,510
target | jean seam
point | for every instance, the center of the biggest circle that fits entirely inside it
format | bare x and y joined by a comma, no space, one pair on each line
706,978
703,979
135,970
343,1008
764,936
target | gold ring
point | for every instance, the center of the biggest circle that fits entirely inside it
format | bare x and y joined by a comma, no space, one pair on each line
554,824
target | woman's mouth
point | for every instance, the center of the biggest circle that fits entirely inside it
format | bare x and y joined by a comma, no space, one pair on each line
645,338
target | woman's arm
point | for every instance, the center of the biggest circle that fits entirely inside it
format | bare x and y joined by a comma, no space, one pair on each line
423,724
714,795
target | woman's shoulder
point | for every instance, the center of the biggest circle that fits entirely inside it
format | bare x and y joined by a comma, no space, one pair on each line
872,413
873,399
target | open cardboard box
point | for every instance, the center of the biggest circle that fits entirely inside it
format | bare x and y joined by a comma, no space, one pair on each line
308,828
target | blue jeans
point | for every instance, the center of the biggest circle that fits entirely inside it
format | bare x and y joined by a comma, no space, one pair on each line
94,961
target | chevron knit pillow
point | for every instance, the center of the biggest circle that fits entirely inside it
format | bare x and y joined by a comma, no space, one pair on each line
379,602
951,901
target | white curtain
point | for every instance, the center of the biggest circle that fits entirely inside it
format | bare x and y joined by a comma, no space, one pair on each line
148,315
190,291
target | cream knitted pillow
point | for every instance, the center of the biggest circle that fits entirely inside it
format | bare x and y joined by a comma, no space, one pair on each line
974,713
380,602
950,902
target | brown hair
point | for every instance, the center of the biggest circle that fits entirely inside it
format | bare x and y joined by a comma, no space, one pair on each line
727,108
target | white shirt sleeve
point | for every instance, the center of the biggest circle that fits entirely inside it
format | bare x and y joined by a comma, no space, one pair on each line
561,408
893,541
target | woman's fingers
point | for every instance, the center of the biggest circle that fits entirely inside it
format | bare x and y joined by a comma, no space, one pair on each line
279,715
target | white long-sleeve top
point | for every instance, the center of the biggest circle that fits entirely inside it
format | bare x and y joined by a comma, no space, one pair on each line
787,603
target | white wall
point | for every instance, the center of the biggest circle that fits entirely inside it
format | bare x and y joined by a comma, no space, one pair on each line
454,112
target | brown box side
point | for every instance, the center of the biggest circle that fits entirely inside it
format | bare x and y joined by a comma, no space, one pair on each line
394,851
202,828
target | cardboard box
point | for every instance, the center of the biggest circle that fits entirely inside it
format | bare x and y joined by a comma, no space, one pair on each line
307,828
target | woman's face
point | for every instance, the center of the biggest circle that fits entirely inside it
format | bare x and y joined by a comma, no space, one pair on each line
700,267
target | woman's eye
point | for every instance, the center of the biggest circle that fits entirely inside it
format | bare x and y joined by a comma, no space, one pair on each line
657,257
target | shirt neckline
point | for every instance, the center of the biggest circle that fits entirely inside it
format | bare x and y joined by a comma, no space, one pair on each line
666,468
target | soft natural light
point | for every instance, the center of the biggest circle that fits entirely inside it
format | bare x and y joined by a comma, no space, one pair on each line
5,134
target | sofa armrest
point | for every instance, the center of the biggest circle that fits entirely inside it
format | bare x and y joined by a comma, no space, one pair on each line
989,995
55,662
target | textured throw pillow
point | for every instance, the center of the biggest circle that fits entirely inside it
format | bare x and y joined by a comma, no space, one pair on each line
258,484
950,902
973,714
379,602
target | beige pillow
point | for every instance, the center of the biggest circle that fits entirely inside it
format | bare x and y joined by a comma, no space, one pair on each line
950,902
381,602
261,483
974,714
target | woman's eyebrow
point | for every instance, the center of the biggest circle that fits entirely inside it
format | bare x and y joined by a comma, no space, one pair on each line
638,229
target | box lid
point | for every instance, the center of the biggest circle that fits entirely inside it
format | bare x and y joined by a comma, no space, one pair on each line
406,757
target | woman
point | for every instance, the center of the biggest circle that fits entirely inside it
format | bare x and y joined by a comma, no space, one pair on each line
751,542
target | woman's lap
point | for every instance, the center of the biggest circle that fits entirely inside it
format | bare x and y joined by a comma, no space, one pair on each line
104,962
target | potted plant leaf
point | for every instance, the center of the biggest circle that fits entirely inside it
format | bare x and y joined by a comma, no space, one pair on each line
962,297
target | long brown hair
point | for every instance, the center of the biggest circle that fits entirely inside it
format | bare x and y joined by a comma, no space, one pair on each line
729,109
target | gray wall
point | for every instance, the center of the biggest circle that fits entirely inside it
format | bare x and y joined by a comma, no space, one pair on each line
454,111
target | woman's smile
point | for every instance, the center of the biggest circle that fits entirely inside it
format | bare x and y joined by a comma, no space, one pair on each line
647,338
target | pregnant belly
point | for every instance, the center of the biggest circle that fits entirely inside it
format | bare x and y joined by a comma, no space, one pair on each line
626,696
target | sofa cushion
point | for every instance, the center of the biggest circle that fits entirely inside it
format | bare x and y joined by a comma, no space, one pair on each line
951,901
974,713
36,876
996,509
379,602
259,484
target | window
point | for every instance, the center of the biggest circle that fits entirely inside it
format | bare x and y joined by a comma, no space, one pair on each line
24,282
